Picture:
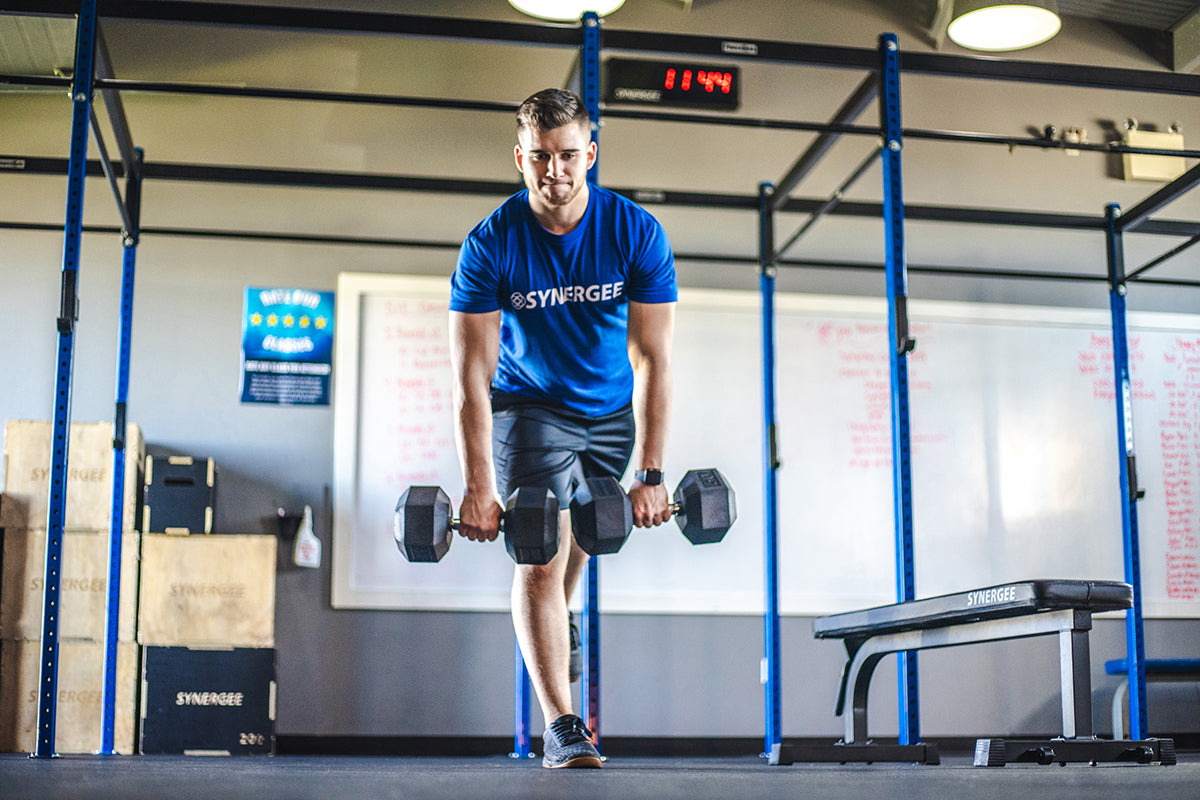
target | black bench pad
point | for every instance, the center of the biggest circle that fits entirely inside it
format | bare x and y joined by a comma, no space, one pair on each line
993,602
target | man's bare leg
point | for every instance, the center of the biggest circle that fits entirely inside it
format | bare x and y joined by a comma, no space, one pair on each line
539,610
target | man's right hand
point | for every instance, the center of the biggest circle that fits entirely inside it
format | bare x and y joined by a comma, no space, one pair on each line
479,516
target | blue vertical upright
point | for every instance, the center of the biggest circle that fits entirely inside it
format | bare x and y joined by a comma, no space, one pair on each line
766,282
129,241
521,748
1135,642
81,98
590,688
901,345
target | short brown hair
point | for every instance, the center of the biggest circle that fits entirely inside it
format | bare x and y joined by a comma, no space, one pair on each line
550,109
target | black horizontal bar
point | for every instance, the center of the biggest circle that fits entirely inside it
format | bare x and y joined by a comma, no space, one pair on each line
356,180
1136,80
866,58
35,80
645,41
370,241
322,179
264,92
1045,144
309,19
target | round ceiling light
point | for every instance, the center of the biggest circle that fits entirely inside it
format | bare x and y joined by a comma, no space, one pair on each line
565,10
995,25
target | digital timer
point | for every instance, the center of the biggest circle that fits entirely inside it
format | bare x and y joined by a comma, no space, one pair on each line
665,83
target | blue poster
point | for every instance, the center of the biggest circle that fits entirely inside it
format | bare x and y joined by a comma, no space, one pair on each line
287,346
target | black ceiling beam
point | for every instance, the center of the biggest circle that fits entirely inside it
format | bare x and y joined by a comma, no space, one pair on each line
301,19
1137,80
1140,213
863,95
308,19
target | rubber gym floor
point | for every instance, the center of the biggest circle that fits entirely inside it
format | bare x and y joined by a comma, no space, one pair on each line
624,778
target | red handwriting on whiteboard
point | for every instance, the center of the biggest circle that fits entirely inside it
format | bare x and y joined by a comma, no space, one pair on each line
1179,438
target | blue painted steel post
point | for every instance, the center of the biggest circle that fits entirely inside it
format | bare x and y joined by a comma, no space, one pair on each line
81,97
521,692
1135,640
901,345
133,179
771,666
590,687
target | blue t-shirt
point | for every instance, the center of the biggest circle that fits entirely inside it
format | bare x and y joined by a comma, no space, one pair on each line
564,300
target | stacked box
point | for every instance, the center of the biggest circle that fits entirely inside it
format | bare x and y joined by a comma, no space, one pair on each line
78,712
206,621
207,590
83,584
27,454
207,701
180,495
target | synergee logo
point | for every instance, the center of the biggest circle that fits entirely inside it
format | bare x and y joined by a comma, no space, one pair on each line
561,295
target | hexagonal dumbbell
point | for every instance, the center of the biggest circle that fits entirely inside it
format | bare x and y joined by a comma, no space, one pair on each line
705,506
602,515
424,525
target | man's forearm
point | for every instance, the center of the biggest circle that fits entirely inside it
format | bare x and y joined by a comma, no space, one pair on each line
474,348
652,412
474,428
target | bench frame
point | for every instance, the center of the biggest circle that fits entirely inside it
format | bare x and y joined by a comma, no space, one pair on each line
867,643
1071,626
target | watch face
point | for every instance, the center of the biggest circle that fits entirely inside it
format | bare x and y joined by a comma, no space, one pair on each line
650,477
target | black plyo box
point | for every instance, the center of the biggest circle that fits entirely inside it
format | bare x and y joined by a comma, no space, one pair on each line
200,701
181,495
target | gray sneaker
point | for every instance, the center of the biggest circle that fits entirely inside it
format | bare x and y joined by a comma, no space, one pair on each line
575,667
568,744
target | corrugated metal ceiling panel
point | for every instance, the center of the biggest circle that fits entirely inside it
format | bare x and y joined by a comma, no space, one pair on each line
1159,15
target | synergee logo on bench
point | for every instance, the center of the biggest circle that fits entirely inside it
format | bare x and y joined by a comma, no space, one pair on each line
987,597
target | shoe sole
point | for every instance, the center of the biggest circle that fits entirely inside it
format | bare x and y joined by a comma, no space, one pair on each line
580,762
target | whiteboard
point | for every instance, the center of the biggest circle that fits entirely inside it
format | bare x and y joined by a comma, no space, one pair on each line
1014,453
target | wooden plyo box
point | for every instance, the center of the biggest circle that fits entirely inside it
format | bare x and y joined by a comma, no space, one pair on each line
83,585
78,714
27,451
207,590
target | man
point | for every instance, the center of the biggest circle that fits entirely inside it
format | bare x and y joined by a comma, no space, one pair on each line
561,324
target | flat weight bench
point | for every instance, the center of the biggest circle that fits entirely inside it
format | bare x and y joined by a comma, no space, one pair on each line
1157,669
995,613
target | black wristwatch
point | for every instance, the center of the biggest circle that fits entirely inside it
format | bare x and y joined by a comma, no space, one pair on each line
650,477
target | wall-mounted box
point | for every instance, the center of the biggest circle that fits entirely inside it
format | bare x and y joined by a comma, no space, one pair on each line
181,495
202,701
28,451
207,590
1153,168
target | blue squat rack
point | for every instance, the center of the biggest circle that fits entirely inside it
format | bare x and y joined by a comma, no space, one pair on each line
882,82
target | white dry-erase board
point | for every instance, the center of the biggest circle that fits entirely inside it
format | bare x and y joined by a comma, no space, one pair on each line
1014,453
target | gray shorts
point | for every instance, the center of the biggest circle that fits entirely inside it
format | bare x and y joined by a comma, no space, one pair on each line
538,446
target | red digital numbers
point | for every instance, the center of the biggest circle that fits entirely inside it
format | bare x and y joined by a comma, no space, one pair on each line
711,81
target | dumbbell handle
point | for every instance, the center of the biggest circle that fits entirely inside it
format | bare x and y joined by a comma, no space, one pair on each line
455,522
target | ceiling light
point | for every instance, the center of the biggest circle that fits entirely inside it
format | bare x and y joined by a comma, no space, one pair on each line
996,25
565,10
